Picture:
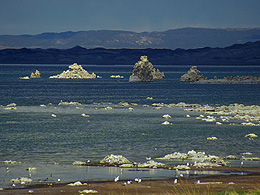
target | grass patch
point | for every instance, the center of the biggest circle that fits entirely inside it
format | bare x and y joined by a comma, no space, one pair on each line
238,192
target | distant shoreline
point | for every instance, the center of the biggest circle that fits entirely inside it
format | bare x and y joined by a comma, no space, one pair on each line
238,54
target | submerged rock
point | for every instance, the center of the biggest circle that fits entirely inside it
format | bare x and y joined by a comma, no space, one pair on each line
79,163
87,191
10,162
150,164
250,159
75,72
12,105
69,103
167,116
25,78
31,169
251,135
144,71
212,138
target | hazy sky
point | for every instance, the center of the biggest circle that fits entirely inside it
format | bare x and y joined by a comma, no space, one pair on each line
38,16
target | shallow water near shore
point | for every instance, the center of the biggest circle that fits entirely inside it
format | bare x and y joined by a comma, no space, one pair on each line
32,136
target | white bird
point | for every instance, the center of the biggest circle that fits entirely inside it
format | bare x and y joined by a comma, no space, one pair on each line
116,179
197,181
181,175
175,181
139,180
58,179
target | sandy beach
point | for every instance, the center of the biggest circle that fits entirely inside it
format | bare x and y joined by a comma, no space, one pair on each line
248,182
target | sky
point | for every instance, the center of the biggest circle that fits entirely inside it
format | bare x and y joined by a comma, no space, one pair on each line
39,16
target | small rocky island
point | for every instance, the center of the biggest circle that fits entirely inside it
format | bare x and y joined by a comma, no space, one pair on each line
193,75
75,72
35,75
144,71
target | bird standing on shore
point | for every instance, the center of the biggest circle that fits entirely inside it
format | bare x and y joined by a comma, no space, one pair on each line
116,179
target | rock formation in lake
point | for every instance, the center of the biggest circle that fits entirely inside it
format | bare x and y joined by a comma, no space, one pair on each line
194,75
37,74
75,72
144,71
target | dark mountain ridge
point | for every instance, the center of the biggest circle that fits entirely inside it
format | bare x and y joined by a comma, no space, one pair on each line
176,38
237,54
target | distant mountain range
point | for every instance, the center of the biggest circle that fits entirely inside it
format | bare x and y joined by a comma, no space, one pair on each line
237,54
185,38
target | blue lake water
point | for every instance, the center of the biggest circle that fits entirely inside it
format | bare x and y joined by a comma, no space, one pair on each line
31,136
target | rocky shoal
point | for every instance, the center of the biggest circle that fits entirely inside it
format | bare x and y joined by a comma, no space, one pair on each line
245,115
194,75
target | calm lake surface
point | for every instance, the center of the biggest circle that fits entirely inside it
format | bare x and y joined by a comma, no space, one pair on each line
30,135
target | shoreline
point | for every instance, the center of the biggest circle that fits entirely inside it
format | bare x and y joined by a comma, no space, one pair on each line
207,184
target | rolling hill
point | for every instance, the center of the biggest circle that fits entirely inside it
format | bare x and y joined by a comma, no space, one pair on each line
185,38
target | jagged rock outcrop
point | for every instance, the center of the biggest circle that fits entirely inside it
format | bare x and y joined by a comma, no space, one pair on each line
192,75
157,74
144,71
37,74
75,72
